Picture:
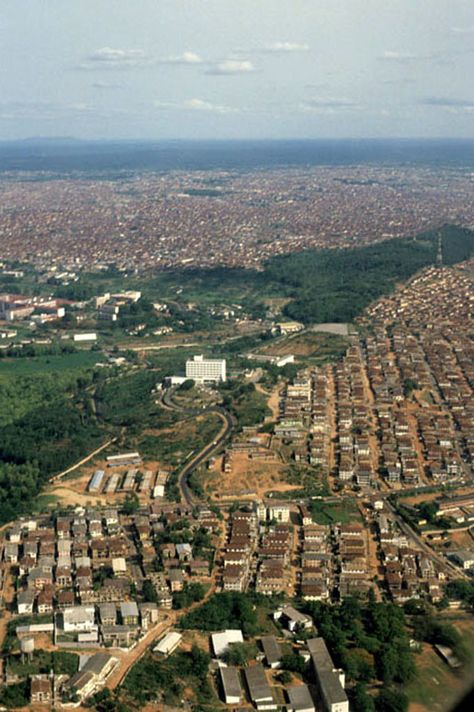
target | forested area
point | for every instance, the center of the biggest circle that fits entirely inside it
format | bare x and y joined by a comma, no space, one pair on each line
370,642
166,679
336,285
125,400
236,609
248,405
47,422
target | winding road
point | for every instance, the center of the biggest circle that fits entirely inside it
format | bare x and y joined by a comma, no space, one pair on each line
207,451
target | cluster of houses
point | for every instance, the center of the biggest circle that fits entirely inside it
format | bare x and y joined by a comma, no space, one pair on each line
255,682
352,559
316,560
424,330
258,549
49,689
400,404
15,307
408,571
109,305
89,568
265,548
354,419
459,508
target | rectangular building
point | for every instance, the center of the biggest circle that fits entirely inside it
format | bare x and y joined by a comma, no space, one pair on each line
328,679
230,683
259,690
206,370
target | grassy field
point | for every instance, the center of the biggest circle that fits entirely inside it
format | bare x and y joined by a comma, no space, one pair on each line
173,445
436,687
45,502
308,346
329,513
49,364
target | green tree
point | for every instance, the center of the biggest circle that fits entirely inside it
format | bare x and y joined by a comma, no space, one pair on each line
362,701
391,700
240,653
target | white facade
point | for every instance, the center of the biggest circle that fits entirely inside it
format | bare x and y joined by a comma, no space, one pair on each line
78,618
168,644
221,641
206,370
85,337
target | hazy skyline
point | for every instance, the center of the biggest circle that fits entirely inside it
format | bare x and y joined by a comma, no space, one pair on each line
236,68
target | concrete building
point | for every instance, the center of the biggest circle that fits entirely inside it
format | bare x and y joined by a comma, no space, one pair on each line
92,675
78,618
272,651
300,699
231,687
221,641
204,370
293,618
168,643
329,681
41,690
129,613
259,690
464,558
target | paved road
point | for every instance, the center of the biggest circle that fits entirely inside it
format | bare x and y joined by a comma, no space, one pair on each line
207,451
204,454
407,529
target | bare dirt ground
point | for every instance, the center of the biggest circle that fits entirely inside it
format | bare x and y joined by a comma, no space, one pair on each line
71,497
247,474
273,402
461,539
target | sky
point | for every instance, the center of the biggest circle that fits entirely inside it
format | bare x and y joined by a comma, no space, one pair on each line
201,69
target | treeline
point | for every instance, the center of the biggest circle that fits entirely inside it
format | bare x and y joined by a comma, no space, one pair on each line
336,285
46,424
236,609
125,400
370,642
244,401
32,350
166,680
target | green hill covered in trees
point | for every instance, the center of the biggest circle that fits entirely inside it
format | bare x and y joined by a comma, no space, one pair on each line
336,285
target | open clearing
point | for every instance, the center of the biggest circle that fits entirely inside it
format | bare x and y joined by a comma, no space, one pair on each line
436,687
246,475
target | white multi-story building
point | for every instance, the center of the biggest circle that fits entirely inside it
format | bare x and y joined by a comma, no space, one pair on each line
205,370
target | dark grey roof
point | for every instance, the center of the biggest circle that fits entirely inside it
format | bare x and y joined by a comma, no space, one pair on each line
231,681
271,648
300,698
328,680
97,663
257,683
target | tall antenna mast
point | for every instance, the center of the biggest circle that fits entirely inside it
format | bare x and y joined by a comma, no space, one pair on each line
439,254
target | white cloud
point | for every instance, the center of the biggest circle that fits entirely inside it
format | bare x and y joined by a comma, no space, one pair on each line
463,30
107,85
392,56
329,105
184,58
231,66
110,58
201,105
286,47
332,102
195,104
